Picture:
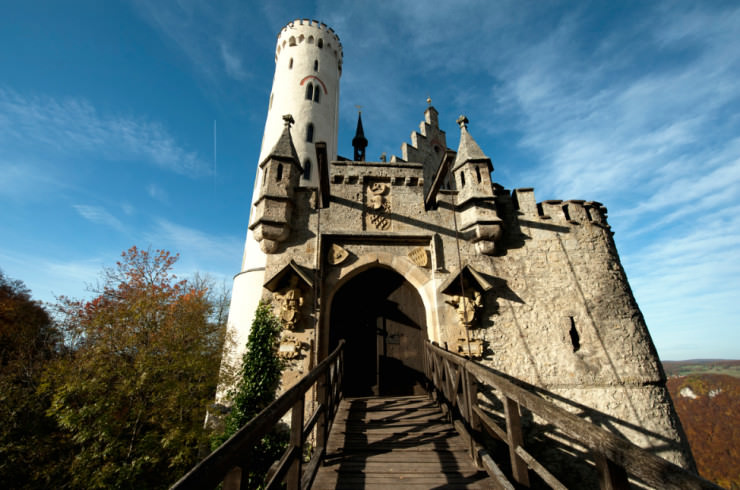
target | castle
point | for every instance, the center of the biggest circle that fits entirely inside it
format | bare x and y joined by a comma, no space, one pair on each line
426,246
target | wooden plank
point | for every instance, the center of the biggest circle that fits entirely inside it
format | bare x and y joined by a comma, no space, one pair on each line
548,477
514,439
497,476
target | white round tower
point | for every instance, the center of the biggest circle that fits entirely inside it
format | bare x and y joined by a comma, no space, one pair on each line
308,64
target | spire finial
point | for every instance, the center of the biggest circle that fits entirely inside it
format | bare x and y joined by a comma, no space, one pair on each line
359,108
462,121
289,121
429,101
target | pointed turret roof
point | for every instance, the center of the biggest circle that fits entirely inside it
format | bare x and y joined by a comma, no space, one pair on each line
359,142
468,151
284,149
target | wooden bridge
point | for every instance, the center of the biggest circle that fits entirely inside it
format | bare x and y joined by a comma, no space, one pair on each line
439,440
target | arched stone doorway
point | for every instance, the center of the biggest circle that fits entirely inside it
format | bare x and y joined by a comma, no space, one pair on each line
382,318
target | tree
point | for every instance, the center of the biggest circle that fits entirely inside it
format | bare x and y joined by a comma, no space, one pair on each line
31,446
142,367
256,388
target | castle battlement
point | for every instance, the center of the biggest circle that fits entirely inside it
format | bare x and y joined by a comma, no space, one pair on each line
312,32
573,211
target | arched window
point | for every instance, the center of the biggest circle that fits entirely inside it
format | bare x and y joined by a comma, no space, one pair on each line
315,65
307,168
290,65
310,39
309,133
301,38
279,175
291,41
462,178
309,91
477,173
320,43
316,94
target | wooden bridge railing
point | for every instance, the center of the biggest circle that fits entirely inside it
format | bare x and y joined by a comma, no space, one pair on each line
224,464
455,382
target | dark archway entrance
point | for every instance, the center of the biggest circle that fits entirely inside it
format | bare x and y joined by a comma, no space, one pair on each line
382,318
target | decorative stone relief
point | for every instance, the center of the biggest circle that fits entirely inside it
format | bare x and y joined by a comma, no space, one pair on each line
419,256
336,254
467,308
290,302
378,214
290,348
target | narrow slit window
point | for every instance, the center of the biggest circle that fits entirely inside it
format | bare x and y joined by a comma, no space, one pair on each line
307,169
320,43
462,179
315,65
290,64
316,94
477,173
575,339
279,175
309,91
309,133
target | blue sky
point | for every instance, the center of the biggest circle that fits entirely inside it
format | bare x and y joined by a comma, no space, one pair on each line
107,114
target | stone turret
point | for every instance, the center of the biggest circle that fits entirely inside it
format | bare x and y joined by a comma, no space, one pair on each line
475,199
273,208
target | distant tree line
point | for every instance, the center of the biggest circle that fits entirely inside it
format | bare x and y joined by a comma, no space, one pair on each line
109,392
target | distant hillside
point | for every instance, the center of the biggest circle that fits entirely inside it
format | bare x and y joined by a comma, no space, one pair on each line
702,366
707,405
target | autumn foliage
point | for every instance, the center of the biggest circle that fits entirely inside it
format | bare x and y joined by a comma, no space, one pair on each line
141,369
707,405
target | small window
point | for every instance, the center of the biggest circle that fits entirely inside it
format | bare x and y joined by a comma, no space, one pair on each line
310,39
279,175
315,65
307,169
462,179
575,339
320,43
291,41
301,38
309,91
316,94
477,173
290,64
309,133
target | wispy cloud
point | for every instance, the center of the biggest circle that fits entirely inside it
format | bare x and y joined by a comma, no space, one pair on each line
74,126
232,62
157,193
100,216
192,242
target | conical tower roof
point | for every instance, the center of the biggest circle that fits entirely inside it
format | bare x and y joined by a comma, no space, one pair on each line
284,149
468,151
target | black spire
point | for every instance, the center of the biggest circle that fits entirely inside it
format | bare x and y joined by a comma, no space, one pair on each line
359,142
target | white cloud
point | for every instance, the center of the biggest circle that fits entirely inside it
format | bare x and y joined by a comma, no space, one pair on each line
100,216
232,62
74,126
156,192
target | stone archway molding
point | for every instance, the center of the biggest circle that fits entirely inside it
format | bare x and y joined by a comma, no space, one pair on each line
420,279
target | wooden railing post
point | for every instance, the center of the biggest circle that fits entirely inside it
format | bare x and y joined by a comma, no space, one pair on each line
471,401
322,425
611,475
296,444
514,434
233,479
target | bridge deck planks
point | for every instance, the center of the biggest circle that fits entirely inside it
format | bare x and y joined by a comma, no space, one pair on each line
405,442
